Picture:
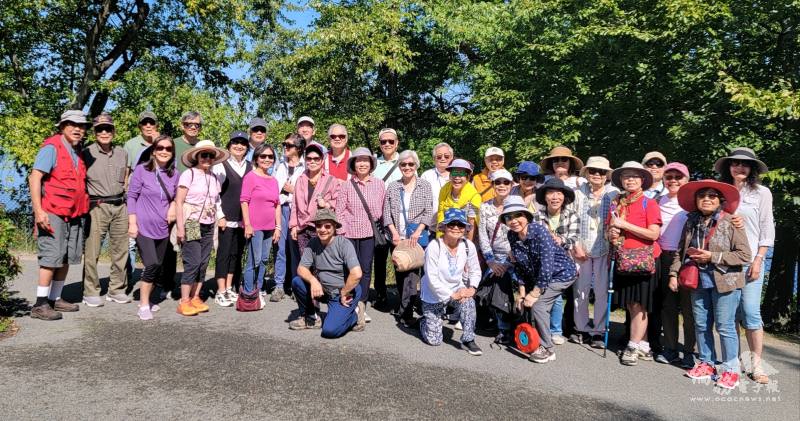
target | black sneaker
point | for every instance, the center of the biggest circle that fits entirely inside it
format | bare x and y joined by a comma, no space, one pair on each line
472,348
576,338
598,342
504,338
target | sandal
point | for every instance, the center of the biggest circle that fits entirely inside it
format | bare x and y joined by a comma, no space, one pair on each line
759,377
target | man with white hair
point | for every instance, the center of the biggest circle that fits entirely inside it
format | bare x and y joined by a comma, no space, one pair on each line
339,153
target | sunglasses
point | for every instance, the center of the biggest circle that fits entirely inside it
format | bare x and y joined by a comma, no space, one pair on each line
407,165
160,148
325,226
207,155
654,163
338,136
267,156
289,145
560,159
738,163
458,173
103,129
707,195
456,225
501,183
596,171
258,130
673,177
440,157
147,122
387,141
192,125
529,177
313,159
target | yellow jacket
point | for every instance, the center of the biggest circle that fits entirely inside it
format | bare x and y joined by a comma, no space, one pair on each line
468,196
483,185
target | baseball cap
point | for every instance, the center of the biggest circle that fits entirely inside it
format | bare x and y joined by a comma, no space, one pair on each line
257,122
494,150
148,114
305,119
104,119
238,135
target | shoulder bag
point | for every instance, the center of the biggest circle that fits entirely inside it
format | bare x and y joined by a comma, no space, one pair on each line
378,232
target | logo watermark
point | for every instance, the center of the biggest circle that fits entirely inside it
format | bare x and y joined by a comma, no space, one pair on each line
746,391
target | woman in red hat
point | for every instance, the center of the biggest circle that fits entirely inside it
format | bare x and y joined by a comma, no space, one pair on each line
720,250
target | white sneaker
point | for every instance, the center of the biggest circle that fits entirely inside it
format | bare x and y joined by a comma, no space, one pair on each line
262,297
458,326
222,300
367,319
232,295
558,339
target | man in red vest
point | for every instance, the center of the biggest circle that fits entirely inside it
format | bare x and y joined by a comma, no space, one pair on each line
58,195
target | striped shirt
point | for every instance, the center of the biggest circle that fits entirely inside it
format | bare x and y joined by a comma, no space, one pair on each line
350,211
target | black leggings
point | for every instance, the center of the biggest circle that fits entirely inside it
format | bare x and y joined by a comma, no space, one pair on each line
152,253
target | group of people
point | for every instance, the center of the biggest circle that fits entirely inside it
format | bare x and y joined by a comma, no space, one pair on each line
534,245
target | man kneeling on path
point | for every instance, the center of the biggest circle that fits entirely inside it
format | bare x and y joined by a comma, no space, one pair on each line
329,272
59,199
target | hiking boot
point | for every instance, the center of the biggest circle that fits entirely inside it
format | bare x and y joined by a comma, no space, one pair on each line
598,342
361,323
44,312
542,355
198,304
558,340
93,301
576,338
64,306
702,371
630,356
472,348
119,298
185,308
668,356
302,323
277,295
221,299
687,361
644,356
144,313
728,380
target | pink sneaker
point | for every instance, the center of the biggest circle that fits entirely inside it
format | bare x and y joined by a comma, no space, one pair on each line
728,380
701,371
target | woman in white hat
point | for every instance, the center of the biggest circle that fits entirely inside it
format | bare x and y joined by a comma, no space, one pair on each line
199,209
743,170
592,202
634,227
459,193
493,240
356,219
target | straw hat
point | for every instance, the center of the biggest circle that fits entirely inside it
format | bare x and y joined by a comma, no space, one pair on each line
686,194
742,154
189,157
557,152
647,178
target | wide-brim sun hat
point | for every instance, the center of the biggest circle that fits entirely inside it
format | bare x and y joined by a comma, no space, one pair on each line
741,154
561,152
361,152
454,215
514,204
326,214
460,164
596,162
554,184
189,157
528,168
687,192
647,178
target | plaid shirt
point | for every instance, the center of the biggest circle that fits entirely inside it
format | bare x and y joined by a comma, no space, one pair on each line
419,210
350,211
592,215
568,225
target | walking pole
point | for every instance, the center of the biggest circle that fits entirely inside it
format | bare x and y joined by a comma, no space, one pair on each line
608,306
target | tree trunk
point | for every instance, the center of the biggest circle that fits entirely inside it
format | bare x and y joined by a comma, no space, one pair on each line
779,308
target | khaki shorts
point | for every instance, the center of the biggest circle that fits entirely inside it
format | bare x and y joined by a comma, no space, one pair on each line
64,245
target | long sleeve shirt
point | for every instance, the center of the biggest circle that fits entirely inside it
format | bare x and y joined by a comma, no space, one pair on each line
304,205
755,207
565,225
538,260
148,201
592,213
493,234
445,273
417,205
283,177
350,212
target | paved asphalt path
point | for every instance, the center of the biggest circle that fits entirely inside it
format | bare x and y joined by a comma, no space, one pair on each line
106,364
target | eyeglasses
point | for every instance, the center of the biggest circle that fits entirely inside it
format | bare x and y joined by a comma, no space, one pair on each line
673,177
102,129
289,145
515,215
445,156
387,141
407,165
325,226
458,173
192,125
738,163
501,183
147,122
596,171
258,129
160,148
338,136
654,163
456,225
313,159
267,156
709,195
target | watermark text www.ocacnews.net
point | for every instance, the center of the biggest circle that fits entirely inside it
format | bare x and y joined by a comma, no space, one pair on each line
739,399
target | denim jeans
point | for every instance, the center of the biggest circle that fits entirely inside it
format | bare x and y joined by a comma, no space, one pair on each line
283,257
339,319
749,311
257,257
556,317
718,309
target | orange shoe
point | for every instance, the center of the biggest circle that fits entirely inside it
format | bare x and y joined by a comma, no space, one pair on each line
185,308
199,305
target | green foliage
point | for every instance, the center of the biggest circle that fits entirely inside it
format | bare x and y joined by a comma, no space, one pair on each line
9,265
